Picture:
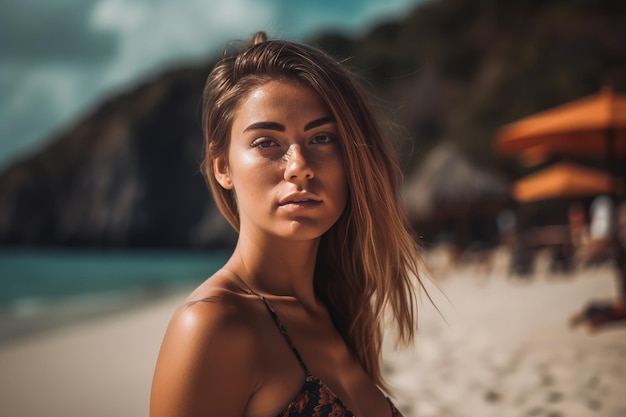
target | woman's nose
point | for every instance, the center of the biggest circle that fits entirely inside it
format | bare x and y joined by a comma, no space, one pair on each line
298,166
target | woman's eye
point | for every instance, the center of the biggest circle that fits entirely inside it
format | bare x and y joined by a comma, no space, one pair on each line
323,138
263,143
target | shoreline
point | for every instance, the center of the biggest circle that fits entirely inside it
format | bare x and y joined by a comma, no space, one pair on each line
31,317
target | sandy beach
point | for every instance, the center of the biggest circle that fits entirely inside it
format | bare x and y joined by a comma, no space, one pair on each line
506,349
500,347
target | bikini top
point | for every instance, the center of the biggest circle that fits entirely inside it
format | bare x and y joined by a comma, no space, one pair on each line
315,399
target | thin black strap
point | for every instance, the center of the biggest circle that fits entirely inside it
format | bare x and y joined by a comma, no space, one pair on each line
281,327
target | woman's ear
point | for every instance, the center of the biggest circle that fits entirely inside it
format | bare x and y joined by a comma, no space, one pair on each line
222,173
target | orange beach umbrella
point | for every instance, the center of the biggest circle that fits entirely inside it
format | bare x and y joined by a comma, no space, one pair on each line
562,180
591,126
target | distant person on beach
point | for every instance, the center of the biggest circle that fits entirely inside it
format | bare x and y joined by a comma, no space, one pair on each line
607,242
292,325
577,221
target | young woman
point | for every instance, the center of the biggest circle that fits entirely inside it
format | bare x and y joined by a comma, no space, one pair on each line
291,325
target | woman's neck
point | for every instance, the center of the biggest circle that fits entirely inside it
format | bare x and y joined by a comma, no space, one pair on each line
276,267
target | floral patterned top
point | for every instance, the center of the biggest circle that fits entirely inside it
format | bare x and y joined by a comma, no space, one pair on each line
315,399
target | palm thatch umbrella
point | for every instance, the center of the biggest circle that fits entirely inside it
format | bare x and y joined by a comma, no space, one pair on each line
448,187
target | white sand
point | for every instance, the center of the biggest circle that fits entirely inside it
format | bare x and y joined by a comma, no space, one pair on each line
97,368
506,351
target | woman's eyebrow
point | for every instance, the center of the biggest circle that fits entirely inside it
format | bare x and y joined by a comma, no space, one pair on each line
265,126
281,128
318,122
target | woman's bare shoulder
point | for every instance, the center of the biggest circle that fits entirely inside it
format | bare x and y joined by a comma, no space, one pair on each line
217,307
209,345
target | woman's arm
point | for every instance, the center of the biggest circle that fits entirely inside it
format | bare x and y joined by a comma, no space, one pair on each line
207,365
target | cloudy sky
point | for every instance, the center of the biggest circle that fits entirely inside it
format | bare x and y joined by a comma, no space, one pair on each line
59,58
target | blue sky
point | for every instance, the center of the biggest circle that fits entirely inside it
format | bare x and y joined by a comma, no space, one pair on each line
60,58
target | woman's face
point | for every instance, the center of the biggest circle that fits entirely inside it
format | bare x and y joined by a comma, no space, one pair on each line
284,163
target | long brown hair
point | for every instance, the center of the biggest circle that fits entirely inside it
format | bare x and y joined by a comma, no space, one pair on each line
367,262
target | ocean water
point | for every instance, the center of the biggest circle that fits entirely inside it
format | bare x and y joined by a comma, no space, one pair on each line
45,288
60,273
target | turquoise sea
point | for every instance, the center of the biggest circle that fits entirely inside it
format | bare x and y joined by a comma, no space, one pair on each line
45,288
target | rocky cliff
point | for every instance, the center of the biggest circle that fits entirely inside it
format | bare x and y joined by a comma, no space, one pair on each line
126,175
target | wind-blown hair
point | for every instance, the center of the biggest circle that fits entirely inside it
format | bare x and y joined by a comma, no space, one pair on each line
367,262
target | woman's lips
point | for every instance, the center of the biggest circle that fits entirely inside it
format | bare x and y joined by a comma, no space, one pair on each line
300,203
